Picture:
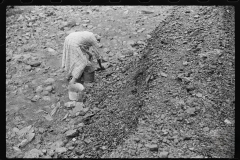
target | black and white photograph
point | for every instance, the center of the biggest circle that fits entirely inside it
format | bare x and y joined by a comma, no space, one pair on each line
120,81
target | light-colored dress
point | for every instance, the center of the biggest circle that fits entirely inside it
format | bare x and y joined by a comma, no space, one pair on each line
75,57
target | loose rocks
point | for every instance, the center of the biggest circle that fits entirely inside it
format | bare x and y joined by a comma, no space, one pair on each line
34,153
163,154
49,81
49,88
152,147
71,133
61,150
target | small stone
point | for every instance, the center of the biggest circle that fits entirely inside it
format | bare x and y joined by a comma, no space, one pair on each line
100,45
141,42
8,76
152,147
146,12
17,149
191,149
44,151
199,95
208,115
70,104
15,130
163,74
191,111
135,53
163,154
125,12
61,150
78,113
35,98
30,136
46,98
130,43
227,121
46,157
51,153
51,50
141,30
140,145
196,16
57,144
90,27
79,108
203,55
176,141
70,148
49,88
165,132
39,89
86,21
28,67
45,93
106,65
34,63
38,146
81,125
19,155
24,130
187,137
180,103
74,139
87,141
98,37
71,23
190,101
149,36
71,133
185,63
84,25
190,87
48,117
23,143
106,50
198,157
34,153
205,129
20,18
49,81
136,139
162,116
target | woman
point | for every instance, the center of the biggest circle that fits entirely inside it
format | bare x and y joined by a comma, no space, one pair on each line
76,55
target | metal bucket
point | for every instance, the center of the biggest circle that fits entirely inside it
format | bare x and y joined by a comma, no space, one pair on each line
89,74
75,92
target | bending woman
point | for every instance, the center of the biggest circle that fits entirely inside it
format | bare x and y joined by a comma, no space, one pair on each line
76,55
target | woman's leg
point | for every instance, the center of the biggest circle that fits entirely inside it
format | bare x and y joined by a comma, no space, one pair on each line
77,72
79,65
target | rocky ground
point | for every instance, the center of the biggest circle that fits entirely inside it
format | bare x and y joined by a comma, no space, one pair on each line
167,91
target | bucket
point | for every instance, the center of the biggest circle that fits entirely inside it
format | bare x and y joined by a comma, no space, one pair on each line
75,92
89,74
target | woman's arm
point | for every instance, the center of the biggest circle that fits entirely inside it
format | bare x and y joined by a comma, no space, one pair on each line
98,56
85,49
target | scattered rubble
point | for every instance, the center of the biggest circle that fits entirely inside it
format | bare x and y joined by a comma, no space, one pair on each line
187,63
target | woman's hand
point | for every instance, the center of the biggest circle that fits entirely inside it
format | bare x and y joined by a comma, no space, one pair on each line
90,57
100,64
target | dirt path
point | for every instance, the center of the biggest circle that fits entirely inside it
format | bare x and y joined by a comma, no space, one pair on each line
166,93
